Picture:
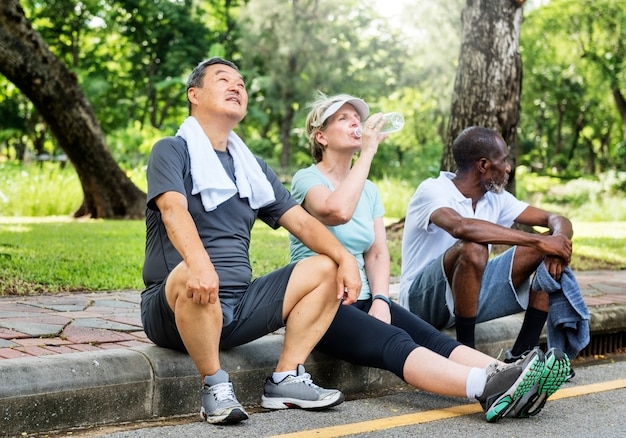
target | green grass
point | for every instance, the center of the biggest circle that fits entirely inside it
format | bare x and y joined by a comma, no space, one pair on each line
42,250
58,254
599,245
49,255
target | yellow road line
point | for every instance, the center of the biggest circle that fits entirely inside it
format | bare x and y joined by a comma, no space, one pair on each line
438,414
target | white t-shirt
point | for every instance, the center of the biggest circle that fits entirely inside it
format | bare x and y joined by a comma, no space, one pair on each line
424,241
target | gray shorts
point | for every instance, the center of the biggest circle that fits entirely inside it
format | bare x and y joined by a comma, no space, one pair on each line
430,296
257,312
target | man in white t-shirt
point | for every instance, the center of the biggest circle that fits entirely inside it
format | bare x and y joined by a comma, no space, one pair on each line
448,277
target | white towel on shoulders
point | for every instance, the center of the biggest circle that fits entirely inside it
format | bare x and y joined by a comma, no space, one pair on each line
209,177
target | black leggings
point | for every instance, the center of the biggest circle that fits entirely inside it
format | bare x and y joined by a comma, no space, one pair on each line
358,338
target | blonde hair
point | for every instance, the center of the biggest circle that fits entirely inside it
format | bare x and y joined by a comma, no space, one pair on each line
315,121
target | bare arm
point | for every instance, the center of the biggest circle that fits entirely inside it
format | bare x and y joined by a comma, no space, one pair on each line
558,226
316,237
480,231
202,280
377,268
337,207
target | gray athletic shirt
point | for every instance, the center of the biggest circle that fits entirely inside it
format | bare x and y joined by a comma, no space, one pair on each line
224,231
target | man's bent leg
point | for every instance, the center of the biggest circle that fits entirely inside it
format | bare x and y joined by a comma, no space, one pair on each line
525,263
200,327
464,264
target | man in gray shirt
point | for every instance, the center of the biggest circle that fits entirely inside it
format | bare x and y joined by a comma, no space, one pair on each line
205,191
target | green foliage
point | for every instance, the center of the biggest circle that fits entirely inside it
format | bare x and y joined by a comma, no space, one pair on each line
165,41
131,147
589,199
132,58
395,194
38,189
45,189
574,62
296,48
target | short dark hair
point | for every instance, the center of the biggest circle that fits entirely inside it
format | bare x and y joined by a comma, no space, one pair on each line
196,77
472,144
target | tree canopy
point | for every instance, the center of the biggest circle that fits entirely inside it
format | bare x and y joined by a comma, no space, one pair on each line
127,61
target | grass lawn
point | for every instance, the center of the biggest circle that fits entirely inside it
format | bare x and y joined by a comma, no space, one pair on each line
53,254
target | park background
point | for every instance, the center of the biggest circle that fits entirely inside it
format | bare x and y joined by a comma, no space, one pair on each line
131,59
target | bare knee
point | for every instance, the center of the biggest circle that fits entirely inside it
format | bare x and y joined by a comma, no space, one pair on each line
320,267
316,274
176,284
474,254
467,257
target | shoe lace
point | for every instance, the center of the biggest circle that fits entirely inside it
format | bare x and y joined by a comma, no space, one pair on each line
223,392
495,368
304,378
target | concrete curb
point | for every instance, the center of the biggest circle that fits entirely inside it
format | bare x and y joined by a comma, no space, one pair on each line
51,393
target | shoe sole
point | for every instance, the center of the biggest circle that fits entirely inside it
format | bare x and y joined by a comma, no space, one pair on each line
234,416
524,383
294,403
555,373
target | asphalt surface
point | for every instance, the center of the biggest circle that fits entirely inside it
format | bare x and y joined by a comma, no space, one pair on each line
71,362
593,404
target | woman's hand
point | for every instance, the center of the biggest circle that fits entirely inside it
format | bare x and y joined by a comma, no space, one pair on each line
371,136
380,310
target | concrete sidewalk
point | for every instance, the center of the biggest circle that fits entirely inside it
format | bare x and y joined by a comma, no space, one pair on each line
78,360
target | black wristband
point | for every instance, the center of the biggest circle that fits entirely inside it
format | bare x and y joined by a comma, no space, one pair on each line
382,297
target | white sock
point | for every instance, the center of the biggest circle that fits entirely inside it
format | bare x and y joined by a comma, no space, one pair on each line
278,377
475,384
220,376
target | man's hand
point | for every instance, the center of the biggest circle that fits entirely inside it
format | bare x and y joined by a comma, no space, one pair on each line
558,246
555,266
203,285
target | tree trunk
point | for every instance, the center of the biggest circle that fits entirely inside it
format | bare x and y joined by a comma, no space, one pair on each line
26,60
488,82
620,103
285,138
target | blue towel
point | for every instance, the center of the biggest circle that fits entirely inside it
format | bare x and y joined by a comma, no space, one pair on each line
568,318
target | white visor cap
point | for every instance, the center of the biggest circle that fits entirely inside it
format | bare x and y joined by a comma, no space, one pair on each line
359,105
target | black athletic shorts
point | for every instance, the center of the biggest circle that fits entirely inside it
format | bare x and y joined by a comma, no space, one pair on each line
257,313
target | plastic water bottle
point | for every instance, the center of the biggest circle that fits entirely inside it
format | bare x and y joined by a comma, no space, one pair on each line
393,122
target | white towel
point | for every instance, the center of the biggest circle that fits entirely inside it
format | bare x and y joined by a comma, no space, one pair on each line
209,177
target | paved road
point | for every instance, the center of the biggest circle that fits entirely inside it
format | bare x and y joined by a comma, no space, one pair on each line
593,404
